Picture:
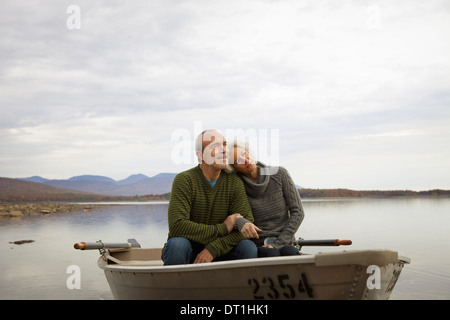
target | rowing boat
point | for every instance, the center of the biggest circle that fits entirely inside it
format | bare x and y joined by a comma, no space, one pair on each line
138,273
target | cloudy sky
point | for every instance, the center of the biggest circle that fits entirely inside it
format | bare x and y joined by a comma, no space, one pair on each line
350,94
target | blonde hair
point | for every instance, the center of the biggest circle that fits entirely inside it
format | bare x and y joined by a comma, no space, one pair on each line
236,144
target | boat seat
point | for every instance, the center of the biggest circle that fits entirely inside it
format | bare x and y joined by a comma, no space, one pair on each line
135,257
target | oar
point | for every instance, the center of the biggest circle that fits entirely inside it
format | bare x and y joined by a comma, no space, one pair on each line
327,242
99,245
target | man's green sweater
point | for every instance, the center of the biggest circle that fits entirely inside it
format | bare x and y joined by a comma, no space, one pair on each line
197,211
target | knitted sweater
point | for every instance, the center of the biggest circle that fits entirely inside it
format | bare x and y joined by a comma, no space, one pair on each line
197,211
276,205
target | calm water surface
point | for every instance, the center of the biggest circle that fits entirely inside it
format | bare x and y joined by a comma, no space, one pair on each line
417,228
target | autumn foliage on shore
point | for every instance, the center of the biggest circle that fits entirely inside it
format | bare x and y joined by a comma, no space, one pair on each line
344,193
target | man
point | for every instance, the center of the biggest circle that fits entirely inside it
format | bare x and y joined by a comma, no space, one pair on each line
204,204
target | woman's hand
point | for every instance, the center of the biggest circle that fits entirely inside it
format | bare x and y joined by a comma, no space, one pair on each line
231,220
249,230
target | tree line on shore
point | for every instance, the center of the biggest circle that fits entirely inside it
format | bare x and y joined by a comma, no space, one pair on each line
343,193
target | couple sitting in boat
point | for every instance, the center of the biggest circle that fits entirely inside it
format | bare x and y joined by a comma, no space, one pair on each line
215,214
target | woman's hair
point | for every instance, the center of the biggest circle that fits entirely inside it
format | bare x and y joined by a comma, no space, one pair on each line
236,144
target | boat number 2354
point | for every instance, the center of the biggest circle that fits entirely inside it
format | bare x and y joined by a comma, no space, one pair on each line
279,287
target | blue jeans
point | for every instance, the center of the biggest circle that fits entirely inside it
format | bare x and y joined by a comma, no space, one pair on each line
287,250
180,250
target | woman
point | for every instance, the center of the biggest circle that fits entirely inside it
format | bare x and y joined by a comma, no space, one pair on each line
275,202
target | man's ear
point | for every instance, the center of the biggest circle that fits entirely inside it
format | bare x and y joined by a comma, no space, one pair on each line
199,156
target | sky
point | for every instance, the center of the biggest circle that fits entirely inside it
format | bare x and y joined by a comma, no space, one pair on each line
343,94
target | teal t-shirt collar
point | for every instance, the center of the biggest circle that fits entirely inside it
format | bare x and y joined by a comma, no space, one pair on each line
212,183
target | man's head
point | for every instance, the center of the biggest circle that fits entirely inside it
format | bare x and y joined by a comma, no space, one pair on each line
211,148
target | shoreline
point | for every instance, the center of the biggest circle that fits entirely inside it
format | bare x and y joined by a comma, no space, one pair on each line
15,209
26,209
21,209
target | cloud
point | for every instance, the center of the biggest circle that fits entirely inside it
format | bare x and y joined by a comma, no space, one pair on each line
354,83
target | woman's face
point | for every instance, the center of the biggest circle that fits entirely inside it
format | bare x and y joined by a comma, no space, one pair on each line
243,161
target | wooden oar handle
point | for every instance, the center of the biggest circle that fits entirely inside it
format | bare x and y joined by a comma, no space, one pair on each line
80,245
338,242
323,242
131,243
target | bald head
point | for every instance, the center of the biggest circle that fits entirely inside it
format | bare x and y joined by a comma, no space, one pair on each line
210,147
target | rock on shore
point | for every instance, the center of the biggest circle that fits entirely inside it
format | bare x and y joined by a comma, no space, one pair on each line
19,242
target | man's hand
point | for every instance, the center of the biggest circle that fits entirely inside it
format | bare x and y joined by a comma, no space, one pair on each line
230,221
249,230
204,256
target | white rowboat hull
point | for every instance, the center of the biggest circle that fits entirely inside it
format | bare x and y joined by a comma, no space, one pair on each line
360,274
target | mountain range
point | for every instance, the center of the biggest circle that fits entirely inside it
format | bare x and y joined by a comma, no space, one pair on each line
158,187
134,185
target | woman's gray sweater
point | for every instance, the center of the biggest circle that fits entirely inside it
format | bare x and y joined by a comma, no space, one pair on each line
276,205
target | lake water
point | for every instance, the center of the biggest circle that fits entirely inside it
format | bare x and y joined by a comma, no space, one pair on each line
415,227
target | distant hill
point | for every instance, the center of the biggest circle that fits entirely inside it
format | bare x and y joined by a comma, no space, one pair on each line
132,179
92,178
35,179
14,186
144,188
20,190
134,185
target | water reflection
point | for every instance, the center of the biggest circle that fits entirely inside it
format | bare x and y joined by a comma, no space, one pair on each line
38,270
417,228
